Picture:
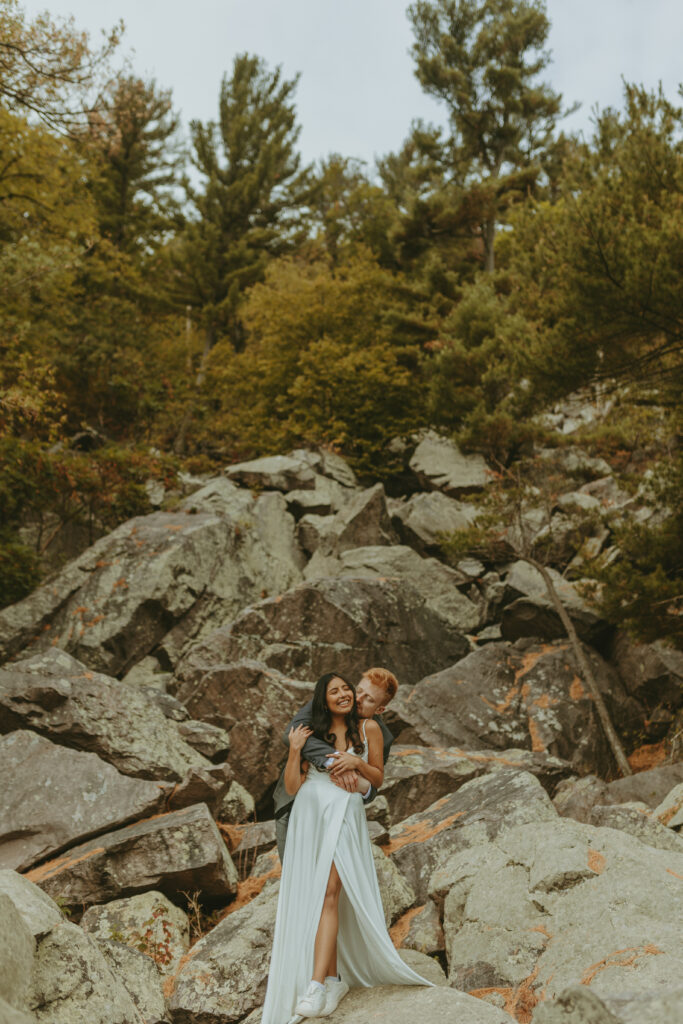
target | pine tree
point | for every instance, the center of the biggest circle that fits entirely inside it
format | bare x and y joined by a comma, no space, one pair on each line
246,208
482,59
136,155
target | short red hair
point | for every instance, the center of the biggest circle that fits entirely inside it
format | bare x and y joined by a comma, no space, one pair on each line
384,679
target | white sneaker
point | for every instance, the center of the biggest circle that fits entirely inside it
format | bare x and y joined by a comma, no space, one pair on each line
312,1002
335,991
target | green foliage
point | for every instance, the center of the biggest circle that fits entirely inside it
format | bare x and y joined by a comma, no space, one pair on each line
642,590
597,274
481,58
326,362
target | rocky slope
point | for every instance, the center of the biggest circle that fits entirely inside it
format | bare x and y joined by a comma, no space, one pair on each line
143,695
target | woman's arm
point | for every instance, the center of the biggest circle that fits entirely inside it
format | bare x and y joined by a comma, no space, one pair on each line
297,738
373,769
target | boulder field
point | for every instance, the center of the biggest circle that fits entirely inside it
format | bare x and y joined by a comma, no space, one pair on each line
144,692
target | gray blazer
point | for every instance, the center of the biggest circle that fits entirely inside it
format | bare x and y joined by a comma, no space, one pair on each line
317,751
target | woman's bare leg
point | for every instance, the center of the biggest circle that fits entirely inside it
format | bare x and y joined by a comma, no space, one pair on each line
325,955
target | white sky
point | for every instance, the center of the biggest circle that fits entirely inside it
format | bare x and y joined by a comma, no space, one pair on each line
358,94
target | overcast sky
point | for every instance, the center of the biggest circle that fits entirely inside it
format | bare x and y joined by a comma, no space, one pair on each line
358,94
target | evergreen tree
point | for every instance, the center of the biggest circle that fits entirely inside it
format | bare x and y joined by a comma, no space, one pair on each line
133,144
246,207
482,59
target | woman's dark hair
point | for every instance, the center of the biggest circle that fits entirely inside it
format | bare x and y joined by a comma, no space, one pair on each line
321,718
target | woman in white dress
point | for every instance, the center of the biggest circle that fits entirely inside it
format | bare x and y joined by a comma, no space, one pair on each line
329,915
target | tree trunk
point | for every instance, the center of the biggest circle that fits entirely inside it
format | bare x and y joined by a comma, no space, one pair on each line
584,666
489,237
181,437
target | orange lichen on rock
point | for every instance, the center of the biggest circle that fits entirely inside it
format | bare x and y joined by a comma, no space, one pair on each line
504,705
620,958
249,889
233,834
670,872
596,861
576,689
399,931
420,831
57,864
169,982
648,756
537,744
520,1002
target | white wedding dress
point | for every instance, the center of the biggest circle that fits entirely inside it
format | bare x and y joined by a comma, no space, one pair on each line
328,824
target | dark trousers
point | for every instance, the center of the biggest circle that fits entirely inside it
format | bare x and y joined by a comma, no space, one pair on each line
281,824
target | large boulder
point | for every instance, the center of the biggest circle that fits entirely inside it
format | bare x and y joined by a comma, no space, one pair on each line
579,1005
60,698
436,583
423,519
300,470
420,929
39,912
474,813
54,797
17,947
415,777
405,1004
439,465
158,581
529,612
528,696
650,787
140,977
181,851
344,624
148,922
223,976
73,983
550,904
397,895
652,673
637,819
231,695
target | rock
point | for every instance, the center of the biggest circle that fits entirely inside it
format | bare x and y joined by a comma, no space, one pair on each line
478,810
229,694
578,501
149,923
576,462
224,975
638,820
652,673
415,777
436,583
363,522
74,984
175,852
576,798
17,947
397,895
140,977
608,493
236,806
313,532
405,1004
55,797
422,520
378,811
328,464
554,903
325,499
529,611
40,913
439,465
210,740
670,810
273,472
426,966
159,581
420,928
501,696
579,1005
379,834
10,1015
650,787
202,785
60,698
346,624
250,841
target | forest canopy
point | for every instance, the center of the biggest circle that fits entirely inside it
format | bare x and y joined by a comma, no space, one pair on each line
178,296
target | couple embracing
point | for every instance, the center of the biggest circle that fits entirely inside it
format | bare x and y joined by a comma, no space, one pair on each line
330,932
